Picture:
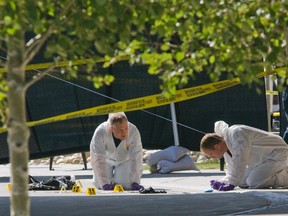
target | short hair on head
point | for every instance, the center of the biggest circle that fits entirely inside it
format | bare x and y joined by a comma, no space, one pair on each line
210,140
116,117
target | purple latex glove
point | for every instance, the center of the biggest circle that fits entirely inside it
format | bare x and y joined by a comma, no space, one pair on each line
226,187
136,186
107,187
216,184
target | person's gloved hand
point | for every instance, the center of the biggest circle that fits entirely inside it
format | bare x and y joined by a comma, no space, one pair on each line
107,187
216,184
136,186
226,187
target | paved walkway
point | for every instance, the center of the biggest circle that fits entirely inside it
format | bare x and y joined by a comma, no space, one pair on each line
186,195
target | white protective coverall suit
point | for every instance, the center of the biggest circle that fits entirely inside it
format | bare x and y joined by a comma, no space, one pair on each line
259,158
122,165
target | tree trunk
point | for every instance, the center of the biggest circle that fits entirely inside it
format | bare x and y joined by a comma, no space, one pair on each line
18,132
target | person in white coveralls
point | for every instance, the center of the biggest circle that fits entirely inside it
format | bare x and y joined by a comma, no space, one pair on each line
116,154
255,158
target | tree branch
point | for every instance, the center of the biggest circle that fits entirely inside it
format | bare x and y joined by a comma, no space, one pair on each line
286,39
35,44
3,59
38,77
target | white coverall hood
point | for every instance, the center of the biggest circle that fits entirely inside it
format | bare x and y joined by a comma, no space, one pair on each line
220,128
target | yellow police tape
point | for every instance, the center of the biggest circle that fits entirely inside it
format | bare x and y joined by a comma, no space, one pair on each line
63,63
276,114
270,92
146,102
53,64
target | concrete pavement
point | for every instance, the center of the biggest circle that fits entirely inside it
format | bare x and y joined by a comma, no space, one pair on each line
185,196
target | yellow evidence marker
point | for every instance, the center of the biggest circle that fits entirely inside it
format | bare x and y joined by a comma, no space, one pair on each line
76,189
91,191
8,187
118,188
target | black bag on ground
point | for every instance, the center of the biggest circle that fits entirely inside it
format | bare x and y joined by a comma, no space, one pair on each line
54,183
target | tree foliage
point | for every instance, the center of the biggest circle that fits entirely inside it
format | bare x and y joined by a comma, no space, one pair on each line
236,38
177,39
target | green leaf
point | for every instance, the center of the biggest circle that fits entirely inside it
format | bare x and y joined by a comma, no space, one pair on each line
108,79
11,31
12,5
180,56
212,59
51,11
165,47
7,20
153,70
106,64
275,42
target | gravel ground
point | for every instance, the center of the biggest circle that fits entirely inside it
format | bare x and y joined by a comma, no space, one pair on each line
76,158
